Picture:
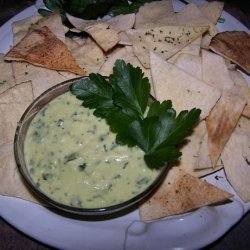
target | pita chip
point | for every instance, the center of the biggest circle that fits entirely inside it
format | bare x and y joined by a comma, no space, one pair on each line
180,193
123,39
190,63
128,56
203,162
104,35
89,56
152,12
42,48
191,15
215,71
195,152
13,103
233,45
7,79
164,41
41,78
122,22
54,23
173,83
236,164
118,23
102,31
11,182
21,28
193,49
243,126
242,85
212,10
222,121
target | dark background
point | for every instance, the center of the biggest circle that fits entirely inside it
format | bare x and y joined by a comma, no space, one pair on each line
237,238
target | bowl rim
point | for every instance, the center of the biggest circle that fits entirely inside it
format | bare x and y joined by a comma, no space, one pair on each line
107,210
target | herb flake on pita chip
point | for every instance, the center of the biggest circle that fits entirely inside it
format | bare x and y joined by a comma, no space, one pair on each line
164,41
233,45
173,83
222,121
215,71
180,193
236,164
42,48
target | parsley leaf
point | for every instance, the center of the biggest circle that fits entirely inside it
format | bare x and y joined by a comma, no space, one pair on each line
122,99
129,96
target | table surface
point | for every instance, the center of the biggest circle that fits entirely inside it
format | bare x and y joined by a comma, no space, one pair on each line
237,238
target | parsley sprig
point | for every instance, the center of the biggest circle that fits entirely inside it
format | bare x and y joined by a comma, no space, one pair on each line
122,99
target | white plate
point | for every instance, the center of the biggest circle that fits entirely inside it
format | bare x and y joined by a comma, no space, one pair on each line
190,231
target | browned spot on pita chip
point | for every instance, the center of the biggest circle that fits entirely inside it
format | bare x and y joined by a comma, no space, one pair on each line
42,48
233,45
222,121
180,193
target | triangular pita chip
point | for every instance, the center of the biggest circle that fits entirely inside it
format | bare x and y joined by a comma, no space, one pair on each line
243,126
190,63
222,121
90,56
212,10
203,162
41,78
185,91
7,79
193,49
104,35
11,182
13,103
42,48
233,45
191,15
21,27
54,23
164,41
180,193
236,164
118,23
128,56
150,13
214,71
241,83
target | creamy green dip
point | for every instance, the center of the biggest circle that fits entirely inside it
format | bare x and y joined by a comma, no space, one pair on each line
72,157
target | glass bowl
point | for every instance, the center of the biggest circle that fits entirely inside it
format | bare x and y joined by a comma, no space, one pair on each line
20,136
